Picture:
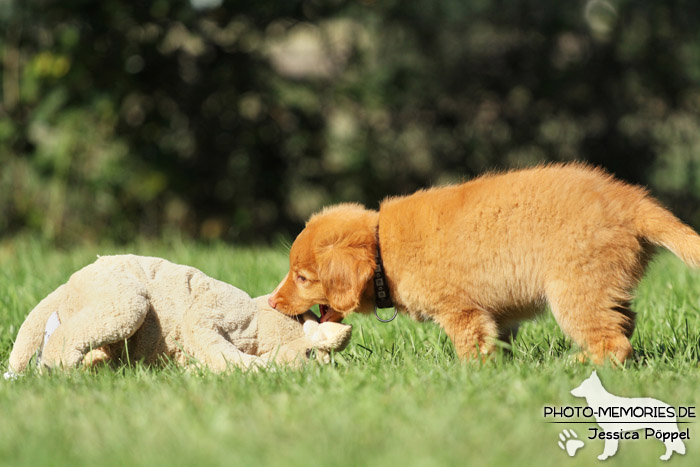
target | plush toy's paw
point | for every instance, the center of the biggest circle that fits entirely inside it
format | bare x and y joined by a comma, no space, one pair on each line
328,336
256,363
68,359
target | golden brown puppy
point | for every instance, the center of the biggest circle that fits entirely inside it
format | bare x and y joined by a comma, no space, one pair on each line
481,256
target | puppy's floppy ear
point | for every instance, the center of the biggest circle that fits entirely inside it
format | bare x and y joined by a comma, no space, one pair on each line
344,267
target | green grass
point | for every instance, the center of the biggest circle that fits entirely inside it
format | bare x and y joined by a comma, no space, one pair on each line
396,396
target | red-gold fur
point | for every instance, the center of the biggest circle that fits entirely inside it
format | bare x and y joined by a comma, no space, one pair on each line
481,256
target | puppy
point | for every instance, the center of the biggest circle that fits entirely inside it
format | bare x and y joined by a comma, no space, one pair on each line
479,257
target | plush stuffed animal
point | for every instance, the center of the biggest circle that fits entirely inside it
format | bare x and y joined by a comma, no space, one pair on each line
135,308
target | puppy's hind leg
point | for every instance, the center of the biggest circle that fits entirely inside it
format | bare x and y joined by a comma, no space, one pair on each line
473,331
595,318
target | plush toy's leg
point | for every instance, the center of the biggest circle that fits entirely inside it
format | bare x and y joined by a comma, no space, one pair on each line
202,340
201,335
293,358
97,357
31,333
116,314
212,350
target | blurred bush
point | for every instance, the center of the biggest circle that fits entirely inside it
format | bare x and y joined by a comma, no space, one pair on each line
236,120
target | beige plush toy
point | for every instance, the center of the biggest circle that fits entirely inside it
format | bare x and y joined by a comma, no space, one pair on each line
135,308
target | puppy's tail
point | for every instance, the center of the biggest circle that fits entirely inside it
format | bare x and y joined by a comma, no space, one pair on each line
31,333
658,226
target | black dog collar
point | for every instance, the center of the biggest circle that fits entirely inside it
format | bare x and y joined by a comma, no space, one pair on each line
382,297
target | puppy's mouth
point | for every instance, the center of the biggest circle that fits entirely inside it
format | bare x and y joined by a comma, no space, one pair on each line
328,314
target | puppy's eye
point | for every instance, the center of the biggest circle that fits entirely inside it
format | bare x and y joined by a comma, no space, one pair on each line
311,354
301,279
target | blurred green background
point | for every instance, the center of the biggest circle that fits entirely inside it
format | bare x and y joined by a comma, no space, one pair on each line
235,120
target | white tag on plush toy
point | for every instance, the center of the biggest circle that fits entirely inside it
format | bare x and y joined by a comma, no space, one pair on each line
51,325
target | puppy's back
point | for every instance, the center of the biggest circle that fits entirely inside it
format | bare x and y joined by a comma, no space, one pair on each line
504,236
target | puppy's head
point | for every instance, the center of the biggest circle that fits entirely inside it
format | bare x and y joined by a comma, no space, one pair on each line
330,263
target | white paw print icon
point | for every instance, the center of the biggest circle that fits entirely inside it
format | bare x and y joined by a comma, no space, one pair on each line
569,442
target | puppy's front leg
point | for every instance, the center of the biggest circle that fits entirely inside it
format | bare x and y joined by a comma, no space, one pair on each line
472,331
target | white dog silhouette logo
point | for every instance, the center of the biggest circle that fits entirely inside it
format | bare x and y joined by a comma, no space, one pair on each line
619,415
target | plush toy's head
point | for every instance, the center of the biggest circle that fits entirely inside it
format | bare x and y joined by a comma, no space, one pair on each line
296,338
322,338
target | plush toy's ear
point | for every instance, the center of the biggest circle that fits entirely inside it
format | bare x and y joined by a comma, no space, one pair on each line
328,336
344,268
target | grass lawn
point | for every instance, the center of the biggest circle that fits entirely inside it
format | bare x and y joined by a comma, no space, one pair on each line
396,396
